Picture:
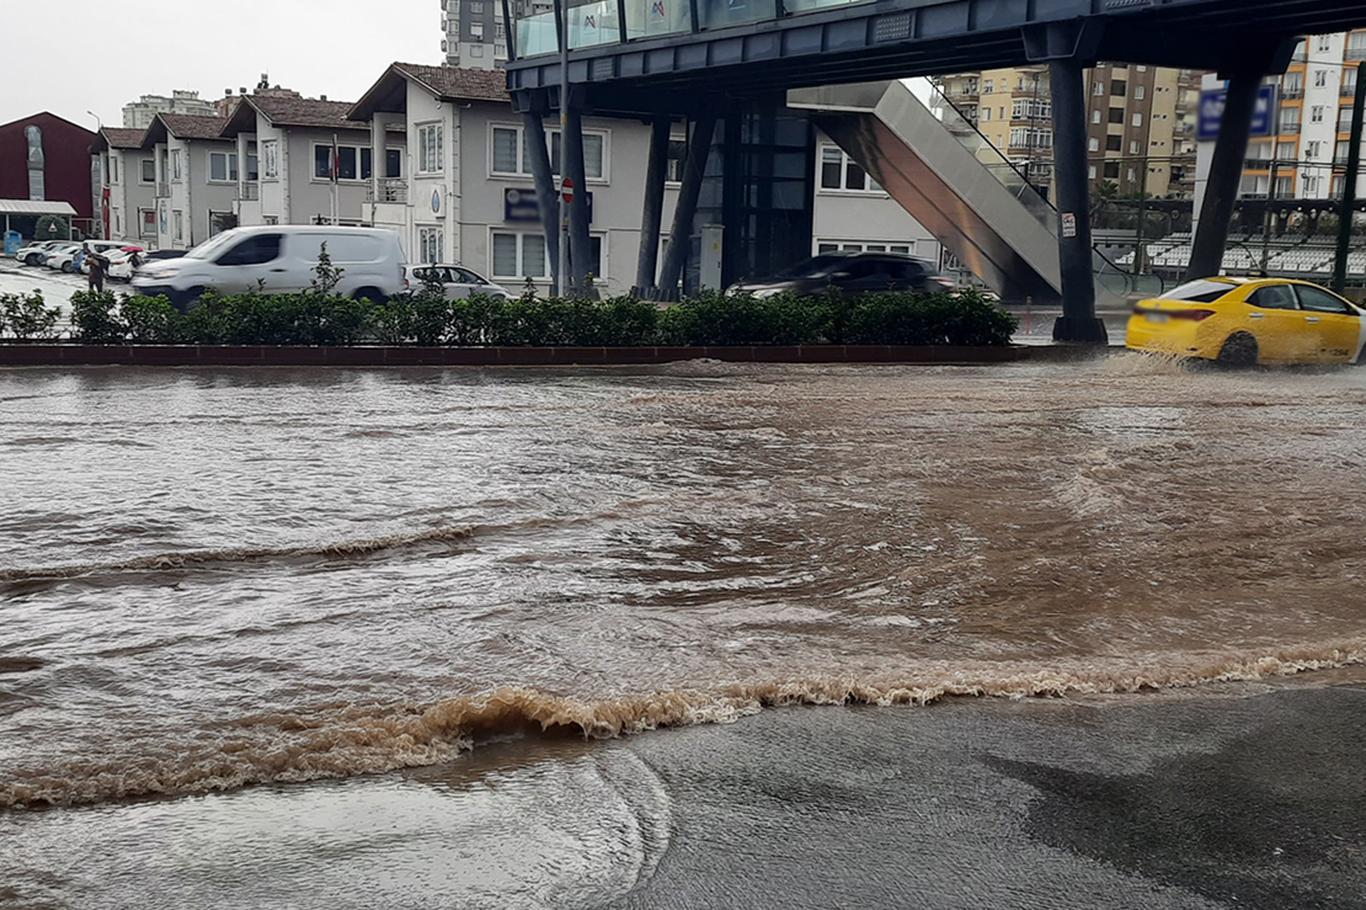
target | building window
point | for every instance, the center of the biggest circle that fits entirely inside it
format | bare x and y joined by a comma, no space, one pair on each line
986,114
840,172
835,246
270,159
1091,172
147,170
518,255
353,162
1030,109
1116,115
430,158
988,86
431,244
476,50
477,31
179,225
1316,114
1118,88
253,167
175,164
1112,170
113,170
223,167
147,222
1095,116
1325,43
1114,143
1098,89
1133,147
1093,144
1313,149
1140,92
1320,78
477,7
1137,120
511,155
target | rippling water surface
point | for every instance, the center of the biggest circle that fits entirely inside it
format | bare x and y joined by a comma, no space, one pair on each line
213,579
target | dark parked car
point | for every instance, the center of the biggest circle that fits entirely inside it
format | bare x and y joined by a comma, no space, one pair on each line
851,273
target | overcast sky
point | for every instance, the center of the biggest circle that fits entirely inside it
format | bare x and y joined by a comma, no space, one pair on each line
75,56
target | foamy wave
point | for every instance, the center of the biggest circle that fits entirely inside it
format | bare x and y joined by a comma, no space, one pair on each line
366,739
191,558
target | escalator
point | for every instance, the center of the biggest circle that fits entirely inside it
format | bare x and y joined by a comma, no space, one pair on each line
955,183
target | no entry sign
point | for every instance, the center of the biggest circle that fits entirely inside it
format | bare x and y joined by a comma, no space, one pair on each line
567,188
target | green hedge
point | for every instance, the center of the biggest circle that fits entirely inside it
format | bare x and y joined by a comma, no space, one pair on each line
710,318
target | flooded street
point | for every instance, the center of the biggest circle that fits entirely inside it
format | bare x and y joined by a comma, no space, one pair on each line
283,595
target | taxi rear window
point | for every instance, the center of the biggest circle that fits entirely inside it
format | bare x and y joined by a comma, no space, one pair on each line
1202,291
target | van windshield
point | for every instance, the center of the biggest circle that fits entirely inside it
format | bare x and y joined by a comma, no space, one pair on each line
210,247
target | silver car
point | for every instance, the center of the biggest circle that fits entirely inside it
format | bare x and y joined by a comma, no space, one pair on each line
457,280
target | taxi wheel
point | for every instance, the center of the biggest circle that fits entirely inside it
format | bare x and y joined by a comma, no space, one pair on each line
1239,350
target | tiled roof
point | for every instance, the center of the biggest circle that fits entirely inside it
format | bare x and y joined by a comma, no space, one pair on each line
192,126
120,138
289,111
459,83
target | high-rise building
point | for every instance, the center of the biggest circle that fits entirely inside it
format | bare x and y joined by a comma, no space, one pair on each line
138,115
473,33
1306,155
1140,123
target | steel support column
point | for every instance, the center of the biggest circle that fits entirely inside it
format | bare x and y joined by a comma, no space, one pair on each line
546,197
580,243
647,264
1078,323
680,237
1347,211
1225,177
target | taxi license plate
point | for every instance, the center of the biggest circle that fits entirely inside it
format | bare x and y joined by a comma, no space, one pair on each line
1156,317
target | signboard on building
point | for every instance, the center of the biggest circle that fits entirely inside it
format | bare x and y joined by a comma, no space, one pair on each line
1212,112
522,205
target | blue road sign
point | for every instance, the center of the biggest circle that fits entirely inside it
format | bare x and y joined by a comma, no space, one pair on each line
1212,112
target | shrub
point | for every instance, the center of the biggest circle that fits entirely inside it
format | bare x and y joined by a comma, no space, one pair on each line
151,320
95,318
27,317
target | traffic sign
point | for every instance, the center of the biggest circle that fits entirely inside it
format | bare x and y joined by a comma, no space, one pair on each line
567,188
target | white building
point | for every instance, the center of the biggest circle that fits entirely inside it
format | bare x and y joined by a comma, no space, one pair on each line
287,143
137,115
129,181
196,174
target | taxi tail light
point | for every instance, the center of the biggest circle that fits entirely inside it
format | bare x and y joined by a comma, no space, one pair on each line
1193,315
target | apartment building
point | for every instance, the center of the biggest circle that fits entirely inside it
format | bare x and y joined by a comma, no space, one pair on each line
129,184
1306,155
1140,123
195,178
138,115
473,32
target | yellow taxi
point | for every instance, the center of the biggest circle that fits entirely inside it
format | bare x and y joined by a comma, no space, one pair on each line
1249,321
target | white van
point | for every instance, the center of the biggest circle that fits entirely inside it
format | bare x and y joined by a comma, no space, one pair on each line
279,259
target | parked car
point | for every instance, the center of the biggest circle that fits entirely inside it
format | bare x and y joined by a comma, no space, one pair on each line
279,259
106,248
36,252
63,248
1250,321
851,273
123,263
457,280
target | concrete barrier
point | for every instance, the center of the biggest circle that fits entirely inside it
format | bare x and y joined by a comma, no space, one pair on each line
58,354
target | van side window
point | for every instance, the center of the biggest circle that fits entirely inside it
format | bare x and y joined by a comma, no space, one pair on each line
253,251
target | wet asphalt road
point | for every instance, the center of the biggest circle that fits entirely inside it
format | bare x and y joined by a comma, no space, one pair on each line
1239,802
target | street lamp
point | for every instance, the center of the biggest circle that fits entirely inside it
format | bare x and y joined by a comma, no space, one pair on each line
99,124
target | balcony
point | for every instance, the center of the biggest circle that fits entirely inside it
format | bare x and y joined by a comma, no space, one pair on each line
389,190
248,192
163,190
1349,89
963,93
1289,127
1356,53
1291,94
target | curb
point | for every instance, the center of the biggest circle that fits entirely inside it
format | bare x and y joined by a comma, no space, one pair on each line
363,356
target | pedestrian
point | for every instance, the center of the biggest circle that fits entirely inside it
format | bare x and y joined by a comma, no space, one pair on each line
98,264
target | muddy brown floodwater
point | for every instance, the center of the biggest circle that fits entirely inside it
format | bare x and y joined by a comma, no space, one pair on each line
215,580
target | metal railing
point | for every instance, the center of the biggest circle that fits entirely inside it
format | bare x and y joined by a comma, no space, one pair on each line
248,192
163,190
389,189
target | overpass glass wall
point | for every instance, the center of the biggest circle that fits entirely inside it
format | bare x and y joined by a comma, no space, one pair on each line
595,22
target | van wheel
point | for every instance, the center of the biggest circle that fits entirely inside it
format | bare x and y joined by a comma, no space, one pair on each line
374,295
1239,350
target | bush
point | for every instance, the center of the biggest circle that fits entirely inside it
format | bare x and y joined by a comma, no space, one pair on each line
151,320
428,318
27,317
94,319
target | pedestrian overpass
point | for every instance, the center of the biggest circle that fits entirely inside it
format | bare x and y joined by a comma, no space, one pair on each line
726,67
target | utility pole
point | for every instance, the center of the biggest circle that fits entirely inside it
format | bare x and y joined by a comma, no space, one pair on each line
1349,186
1140,250
1270,209
565,285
